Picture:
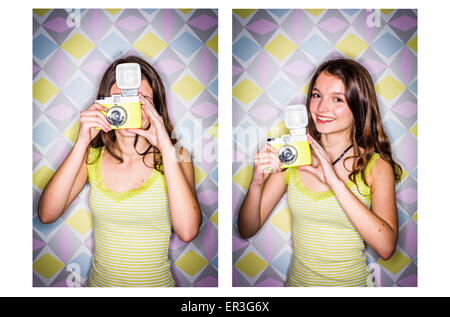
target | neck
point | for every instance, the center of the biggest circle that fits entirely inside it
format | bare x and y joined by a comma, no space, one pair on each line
334,144
125,144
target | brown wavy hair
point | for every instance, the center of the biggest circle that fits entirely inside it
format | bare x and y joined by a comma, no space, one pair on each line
159,100
367,132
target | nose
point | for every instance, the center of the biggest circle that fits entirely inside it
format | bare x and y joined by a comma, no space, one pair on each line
323,105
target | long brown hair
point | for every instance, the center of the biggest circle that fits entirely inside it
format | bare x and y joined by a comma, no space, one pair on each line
159,100
367,132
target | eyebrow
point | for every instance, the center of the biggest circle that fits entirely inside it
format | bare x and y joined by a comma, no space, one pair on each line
334,92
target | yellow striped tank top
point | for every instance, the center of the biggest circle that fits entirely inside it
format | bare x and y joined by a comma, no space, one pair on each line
327,248
131,232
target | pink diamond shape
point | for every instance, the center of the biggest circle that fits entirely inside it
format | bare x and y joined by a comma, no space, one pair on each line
203,22
408,195
131,23
207,197
264,112
205,109
57,25
262,26
404,23
406,109
169,66
95,67
373,66
333,25
60,112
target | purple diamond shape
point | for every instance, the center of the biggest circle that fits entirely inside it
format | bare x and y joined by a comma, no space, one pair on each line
404,23
131,23
169,66
264,112
262,26
95,67
333,25
57,25
60,112
205,109
203,22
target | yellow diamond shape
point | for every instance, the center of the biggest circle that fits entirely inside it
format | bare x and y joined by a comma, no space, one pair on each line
386,11
215,218
187,88
280,47
251,264
191,262
389,87
150,45
47,266
43,90
113,11
352,45
413,130
282,220
244,13
278,130
246,91
185,11
71,133
81,221
42,176
41,12
213,43
77,46
414,217
315,12
199,175
214,131
243,177
412,44
397,262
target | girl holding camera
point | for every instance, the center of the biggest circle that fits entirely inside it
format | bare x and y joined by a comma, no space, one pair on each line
346,196
141,187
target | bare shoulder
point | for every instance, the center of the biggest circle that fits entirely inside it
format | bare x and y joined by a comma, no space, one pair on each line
381,171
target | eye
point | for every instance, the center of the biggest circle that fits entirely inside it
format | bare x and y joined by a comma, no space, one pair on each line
337,99
315,95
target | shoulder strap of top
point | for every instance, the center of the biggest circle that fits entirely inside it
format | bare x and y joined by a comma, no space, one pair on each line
371,163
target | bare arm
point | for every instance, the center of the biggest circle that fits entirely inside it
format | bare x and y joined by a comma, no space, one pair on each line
378,227
184,207
265,191
71,176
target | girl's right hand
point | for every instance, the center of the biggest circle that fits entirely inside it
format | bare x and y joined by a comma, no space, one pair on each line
90,119
266,161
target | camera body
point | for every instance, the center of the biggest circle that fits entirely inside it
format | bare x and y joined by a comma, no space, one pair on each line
124,111
293,149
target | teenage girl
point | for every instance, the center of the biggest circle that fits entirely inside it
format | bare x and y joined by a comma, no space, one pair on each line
140,187
346,197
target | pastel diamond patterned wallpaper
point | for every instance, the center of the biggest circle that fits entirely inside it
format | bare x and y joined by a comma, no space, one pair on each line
274,55
71,50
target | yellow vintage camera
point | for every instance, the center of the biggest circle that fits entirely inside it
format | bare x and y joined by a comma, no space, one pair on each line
124,111
293,149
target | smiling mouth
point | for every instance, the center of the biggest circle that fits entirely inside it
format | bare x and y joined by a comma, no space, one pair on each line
321,119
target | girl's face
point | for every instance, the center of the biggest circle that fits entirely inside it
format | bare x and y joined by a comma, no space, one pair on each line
328,105
146,90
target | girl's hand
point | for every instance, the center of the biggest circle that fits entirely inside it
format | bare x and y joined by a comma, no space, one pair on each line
266,161
325,170
156,134
91,121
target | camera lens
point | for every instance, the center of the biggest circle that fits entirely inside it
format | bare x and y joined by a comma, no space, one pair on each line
287,154
116,116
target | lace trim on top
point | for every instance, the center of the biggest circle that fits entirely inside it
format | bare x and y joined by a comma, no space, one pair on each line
95,156
363,188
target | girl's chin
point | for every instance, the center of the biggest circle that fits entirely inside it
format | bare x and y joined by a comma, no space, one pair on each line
125,133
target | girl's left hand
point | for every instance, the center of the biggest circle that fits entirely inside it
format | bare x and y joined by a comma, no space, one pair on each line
157,134
325,170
